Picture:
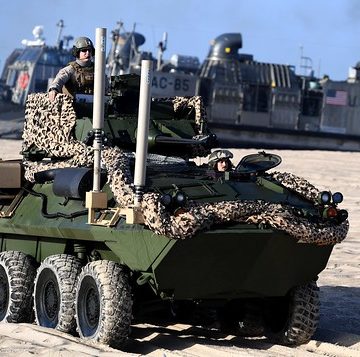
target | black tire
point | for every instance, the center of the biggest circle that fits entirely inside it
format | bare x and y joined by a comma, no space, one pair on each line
17,273
104,303
303,316
54,293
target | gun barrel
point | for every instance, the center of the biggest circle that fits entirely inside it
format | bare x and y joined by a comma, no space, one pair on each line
162,139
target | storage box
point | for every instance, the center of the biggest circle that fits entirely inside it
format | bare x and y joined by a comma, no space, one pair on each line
10,174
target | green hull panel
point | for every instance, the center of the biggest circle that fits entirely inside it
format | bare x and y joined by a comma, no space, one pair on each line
240,264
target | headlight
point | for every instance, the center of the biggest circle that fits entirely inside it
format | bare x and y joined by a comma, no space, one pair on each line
342,215
173,201
330,212
180,198
337,197
324,197
166,199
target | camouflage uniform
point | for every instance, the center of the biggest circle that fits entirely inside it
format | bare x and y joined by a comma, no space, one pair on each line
75,78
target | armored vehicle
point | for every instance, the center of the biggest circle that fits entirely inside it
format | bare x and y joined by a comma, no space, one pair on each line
95,244
28,69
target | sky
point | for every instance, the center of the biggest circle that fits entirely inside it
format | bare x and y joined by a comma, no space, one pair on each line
273,31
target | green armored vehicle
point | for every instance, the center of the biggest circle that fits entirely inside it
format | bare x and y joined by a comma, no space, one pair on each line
239,251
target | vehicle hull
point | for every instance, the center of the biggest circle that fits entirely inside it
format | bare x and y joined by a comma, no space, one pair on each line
229,262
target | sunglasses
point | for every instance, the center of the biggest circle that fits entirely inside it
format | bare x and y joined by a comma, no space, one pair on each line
85,50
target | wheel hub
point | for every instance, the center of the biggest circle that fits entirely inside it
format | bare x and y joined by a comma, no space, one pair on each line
92,307
51,300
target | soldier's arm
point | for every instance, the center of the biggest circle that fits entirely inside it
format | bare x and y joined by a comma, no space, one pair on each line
61,78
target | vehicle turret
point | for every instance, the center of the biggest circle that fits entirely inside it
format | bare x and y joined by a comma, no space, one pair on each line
177,125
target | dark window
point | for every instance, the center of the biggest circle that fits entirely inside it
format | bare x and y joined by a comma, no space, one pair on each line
311,104
256,98
263,99
55,58
30,54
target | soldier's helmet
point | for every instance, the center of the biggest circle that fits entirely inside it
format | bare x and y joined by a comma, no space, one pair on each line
219,155
82,43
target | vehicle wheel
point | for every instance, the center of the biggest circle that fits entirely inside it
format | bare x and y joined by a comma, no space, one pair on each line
54,293
17,273
302,316
104,303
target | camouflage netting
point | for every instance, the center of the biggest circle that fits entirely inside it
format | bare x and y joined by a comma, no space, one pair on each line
49,126
303,187
194,102
202,216
187,104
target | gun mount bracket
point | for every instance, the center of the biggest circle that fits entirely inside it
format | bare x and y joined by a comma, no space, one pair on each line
109,217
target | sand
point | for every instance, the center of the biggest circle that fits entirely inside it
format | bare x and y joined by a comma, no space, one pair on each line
339,329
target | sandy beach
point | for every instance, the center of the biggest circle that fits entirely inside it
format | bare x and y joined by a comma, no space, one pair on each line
339,329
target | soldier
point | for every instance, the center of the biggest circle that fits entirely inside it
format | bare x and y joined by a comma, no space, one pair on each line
220,161
77,76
